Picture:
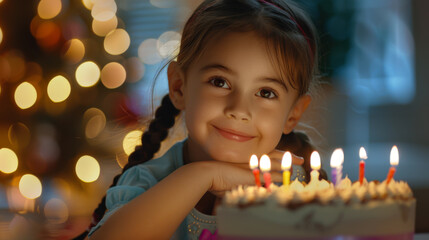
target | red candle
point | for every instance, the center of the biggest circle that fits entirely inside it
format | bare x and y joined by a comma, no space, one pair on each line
362,155
392,171
254,166
265,168
394,160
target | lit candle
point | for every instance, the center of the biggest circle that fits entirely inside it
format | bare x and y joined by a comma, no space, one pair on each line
315,165
286,164
265,165
337,160
254,166
394,161
362,156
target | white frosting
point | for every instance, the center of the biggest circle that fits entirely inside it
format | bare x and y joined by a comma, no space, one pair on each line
318,209
321,192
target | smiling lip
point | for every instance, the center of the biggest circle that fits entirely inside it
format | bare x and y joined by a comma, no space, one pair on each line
234,135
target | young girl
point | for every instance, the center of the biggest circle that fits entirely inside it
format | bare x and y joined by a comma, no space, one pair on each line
242,79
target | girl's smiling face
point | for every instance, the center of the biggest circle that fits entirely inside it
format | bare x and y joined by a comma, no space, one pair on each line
234,100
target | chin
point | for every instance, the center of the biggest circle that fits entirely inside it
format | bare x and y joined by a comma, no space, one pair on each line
231,156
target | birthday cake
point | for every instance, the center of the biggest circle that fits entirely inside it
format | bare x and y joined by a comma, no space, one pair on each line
319,210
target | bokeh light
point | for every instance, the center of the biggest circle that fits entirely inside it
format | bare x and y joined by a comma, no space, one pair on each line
1,35
135,69
95,122
56,211
88,4
48,34
87,74
131,140
113,75
87,169
168,44
48,9
102,28
25,95
59,89
103,10
19,135
148,51
30,186
74,50
117,41
8,160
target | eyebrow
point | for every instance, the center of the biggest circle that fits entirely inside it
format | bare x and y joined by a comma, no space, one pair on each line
230,71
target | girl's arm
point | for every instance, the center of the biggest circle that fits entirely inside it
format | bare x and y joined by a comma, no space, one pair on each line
157,213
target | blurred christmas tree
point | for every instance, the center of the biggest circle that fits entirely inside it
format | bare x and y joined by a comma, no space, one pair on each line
64,68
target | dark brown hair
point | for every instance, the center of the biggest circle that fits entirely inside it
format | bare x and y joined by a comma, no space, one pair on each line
291,42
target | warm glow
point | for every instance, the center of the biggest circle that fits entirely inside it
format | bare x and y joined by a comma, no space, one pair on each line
362,153
337,158
394,156
131,140
103,10
30,186
315,160
113,75
265,163
117,42
48,9
8,160
87,169
103,28
1,35
75,50
168,44
253,162
25,95
88,4
87,74
148,52
96,121
286,161
59,89
56,211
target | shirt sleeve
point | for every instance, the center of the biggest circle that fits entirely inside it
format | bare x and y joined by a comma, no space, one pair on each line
131,184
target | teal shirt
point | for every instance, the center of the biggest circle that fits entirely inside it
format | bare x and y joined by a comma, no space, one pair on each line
140,178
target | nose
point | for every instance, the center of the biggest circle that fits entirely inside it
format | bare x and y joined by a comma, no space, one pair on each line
238,108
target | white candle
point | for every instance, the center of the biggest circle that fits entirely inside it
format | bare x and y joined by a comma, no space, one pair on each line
315,165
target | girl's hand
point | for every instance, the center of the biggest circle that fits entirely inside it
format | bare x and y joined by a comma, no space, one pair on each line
276,159
227,176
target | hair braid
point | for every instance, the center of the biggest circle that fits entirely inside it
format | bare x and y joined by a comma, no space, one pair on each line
151,142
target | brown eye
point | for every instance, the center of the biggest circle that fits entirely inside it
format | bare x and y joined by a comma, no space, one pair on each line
265,93
218,82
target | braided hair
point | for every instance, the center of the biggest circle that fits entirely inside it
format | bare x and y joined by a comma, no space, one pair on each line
151,142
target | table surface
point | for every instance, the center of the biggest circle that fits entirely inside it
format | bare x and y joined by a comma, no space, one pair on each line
421,236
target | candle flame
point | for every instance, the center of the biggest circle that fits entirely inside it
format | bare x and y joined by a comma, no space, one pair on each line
253,162
315,160
337,158
286,161
265,163
362,153
394,156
